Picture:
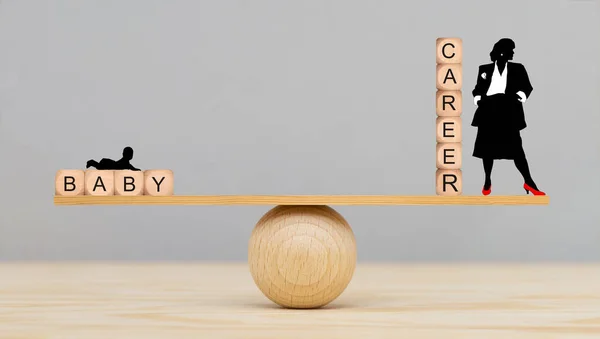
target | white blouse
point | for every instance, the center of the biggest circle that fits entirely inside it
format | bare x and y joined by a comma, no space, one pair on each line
498,84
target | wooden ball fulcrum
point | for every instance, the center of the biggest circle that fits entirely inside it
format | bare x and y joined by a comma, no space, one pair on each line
302,256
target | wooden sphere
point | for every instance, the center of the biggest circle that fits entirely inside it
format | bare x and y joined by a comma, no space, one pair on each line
302,256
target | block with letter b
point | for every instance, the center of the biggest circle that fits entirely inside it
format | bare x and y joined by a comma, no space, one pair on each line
99,182
158,182
448,103
448,129
69,182
448,50
129,182
448,155
449,77
448,182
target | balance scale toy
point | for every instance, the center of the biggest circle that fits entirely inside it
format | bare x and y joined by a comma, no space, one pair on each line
302,252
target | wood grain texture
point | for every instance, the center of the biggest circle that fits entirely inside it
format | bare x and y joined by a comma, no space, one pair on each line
302,256
191,301
302,200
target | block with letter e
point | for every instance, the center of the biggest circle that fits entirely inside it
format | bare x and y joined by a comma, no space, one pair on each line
448,130
448,155
69,182
129,182
158,182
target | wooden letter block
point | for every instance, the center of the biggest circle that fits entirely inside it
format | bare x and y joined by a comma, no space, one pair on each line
129,182
449,77
99,182
448,155
448,50
158,182
448,103
448,182
69,182
448,129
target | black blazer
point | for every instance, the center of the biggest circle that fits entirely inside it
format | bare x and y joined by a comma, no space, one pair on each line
516,80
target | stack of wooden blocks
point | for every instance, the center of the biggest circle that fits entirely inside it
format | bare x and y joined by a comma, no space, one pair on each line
107,182
448,123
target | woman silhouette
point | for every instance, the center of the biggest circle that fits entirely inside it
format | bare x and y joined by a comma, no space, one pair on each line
502,88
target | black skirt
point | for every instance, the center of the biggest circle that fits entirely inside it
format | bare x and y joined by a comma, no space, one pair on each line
498,136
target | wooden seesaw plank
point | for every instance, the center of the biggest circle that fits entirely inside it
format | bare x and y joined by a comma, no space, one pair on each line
301,200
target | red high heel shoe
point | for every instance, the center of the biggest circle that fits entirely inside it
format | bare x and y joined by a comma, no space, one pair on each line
533,190
486,191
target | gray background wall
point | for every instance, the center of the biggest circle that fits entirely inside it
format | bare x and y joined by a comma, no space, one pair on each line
302,97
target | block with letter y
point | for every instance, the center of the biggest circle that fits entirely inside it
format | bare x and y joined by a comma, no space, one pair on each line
158,182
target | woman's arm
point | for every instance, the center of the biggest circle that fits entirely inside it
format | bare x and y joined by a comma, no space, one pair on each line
478,91
524,85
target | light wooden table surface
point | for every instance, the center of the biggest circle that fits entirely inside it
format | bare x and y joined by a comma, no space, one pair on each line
111,300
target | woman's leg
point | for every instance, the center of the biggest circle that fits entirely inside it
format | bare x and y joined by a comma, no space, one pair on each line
523,167
488,164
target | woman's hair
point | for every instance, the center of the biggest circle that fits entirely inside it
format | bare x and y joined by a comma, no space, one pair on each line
503,45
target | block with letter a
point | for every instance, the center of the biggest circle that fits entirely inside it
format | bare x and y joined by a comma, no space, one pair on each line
449,77
99,182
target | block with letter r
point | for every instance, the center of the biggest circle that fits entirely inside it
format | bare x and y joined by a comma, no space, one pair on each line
448,182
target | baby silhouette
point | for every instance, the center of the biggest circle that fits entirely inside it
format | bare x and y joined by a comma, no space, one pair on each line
109,164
